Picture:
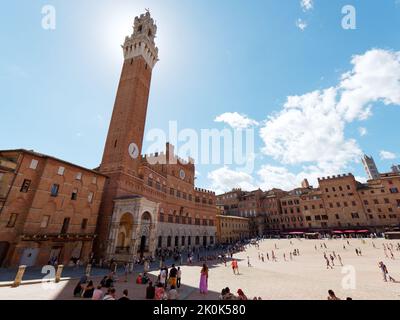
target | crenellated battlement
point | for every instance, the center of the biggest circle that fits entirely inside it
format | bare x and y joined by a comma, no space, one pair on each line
208,192
168,157
141,42
339,176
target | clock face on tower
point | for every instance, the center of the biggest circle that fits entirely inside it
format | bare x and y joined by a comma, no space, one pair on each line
182,174
133,150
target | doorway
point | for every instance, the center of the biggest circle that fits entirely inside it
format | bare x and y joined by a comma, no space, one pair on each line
142,246
4,246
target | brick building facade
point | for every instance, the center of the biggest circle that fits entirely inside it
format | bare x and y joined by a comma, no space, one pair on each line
48,209
231,229
339,203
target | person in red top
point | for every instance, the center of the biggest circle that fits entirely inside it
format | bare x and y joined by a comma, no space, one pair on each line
139,279
235,267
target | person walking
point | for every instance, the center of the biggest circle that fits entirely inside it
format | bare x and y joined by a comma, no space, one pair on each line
204,279
332,260
163,276
383,269
340,259
126,271
235,267
172,276
178,278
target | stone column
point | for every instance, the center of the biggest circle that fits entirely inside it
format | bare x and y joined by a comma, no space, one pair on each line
112,239
152,239
136,237
19,276
59,272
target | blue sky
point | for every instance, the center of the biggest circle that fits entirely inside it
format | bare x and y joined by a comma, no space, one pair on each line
216,57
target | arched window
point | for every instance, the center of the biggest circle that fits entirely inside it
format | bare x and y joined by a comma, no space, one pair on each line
169,240
176,241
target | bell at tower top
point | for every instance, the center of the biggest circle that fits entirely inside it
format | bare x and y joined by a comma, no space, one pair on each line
141,42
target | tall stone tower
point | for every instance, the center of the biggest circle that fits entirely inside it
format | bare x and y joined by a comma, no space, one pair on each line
123,148
370,167
125,135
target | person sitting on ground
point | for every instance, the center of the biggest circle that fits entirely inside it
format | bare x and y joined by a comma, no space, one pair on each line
110,295
150,291
228,295
98,294
145,279
139,279
103,282
332,295
109,282
173,293
78,290
221,296
159,292
125,296
241,294
88,292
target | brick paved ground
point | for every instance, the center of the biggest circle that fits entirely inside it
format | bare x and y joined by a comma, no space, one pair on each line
305,277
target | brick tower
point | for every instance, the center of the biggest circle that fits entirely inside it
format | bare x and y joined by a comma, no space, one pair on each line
125,135
123,148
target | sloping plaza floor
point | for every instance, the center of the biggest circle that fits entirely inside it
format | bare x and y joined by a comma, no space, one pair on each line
303,278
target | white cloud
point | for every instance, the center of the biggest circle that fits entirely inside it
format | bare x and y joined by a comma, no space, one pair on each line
310,129
236,120
301,24
362,131
307,4
277,177
375,77
225,179
387,155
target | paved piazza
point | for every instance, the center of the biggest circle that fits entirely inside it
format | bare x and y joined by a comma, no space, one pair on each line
305,277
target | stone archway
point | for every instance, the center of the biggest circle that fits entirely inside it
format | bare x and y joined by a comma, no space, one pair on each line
145,232
124,234
133,230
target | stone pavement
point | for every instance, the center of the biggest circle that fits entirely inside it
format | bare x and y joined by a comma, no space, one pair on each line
303,278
